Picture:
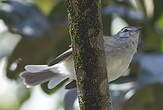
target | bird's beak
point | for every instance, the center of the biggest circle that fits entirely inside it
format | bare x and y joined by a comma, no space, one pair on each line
138,28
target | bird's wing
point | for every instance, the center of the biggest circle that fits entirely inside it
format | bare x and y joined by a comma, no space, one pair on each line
61,57
108,42
113,44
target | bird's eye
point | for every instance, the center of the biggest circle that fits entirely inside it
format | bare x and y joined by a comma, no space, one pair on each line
125,30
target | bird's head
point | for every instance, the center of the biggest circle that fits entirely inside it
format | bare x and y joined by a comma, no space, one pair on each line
129,32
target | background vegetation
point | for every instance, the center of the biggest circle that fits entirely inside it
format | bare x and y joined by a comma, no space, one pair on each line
35,31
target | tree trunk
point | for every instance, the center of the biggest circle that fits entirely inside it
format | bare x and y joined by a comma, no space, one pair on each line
85,27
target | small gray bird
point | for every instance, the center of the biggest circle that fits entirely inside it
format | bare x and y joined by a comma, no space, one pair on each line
119,50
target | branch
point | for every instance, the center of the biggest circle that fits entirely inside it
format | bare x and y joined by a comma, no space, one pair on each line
85,26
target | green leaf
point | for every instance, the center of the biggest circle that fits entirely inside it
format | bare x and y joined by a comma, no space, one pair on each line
46,5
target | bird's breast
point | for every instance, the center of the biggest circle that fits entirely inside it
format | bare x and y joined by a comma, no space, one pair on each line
117,65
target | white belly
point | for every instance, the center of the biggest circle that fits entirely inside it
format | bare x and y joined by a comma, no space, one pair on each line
117,66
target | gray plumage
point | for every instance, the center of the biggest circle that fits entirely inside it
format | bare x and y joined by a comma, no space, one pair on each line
119,50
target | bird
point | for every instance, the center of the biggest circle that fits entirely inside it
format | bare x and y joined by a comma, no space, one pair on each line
119,50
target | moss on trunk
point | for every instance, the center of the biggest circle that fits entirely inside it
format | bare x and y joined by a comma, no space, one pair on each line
85,27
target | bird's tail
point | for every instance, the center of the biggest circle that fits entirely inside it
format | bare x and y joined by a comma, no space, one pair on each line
37,74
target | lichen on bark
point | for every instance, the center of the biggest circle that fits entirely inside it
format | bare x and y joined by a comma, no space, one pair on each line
85,27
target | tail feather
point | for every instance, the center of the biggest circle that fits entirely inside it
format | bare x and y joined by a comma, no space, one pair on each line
35,68
32,79
38,74
55,81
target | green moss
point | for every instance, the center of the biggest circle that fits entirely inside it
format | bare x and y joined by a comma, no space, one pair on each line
81,82
85,28
82,102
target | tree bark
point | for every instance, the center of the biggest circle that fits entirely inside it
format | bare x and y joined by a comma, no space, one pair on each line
85,27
